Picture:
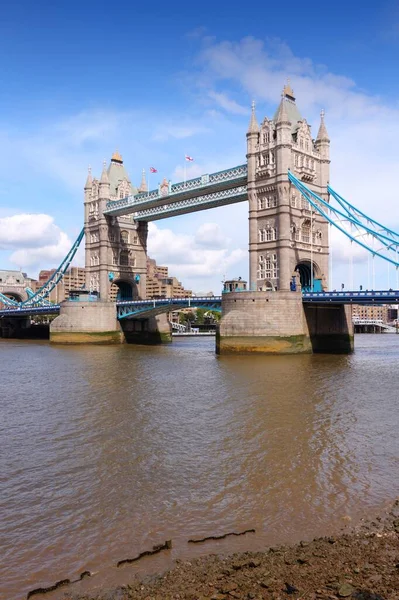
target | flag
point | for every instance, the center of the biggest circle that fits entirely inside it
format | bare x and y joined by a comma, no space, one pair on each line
189,158
152,170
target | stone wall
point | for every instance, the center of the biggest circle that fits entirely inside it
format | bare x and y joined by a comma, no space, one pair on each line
263,322
86,322
279,323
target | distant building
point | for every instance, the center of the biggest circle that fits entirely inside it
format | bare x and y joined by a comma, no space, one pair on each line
74,279
161,285
14,283
370,313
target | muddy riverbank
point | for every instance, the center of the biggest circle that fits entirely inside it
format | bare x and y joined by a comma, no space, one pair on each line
362,564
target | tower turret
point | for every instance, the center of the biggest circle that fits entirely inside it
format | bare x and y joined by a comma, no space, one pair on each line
252,152
322,142
143,184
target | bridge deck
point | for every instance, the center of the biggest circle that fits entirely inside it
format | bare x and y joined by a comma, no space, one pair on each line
145,308
202,192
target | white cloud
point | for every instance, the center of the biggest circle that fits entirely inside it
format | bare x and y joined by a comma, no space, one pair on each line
227,104
192,257
177,131
34,239
210,235
28,231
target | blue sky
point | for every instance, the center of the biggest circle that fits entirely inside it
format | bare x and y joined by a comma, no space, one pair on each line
82,78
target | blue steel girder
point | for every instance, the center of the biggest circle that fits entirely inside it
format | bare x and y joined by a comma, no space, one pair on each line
28,311
183,207
142,309
192,189
355,297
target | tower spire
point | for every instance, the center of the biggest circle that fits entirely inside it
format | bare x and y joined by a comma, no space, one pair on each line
322,134
104,174
282,114
253,124
89,180
143,184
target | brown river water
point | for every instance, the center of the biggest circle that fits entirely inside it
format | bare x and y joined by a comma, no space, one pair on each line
106,451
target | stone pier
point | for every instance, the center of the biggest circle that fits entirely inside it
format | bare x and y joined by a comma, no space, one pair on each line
86,323
278,323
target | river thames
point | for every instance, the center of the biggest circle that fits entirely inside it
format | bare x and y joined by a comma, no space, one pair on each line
106,451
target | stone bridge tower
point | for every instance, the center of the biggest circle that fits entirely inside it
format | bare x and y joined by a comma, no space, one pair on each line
116,247
285,234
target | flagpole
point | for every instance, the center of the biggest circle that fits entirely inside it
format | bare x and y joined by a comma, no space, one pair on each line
185,170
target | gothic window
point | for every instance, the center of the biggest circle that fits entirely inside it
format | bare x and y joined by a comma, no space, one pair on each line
293,201
94,260
261,267
305,204
296,159
301,143
271,202
121,193
266,138
261,203
124,258
266,159
271,266
112,235
124,237
135,240
305,231
271,234
307,146
262,235
114,259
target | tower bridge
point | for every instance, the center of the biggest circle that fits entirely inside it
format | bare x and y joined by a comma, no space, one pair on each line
287,308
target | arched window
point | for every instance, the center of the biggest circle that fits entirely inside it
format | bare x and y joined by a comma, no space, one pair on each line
262,235
124,258
305,232
261,267
124,237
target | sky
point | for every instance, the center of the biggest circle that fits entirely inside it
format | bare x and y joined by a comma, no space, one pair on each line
156,81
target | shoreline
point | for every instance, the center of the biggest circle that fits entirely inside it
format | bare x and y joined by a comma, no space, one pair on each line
362,563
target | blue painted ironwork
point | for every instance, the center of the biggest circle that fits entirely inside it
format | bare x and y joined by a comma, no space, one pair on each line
40,296
8,301
355,297
389,246
145,308
30,311
193,188
194,204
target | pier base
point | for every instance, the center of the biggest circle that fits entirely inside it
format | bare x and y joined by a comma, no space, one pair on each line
278,323
86,323
154,330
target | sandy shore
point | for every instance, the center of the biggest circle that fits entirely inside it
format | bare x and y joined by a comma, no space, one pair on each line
362,564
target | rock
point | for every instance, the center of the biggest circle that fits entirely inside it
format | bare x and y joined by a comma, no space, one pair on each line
290,589
229,587
254,563
345,590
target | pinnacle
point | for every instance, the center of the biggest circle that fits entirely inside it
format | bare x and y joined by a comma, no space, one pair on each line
282,114
322,134
253,124
104,174
143,184
89,180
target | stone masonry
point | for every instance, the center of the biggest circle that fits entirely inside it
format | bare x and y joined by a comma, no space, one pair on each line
285,234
